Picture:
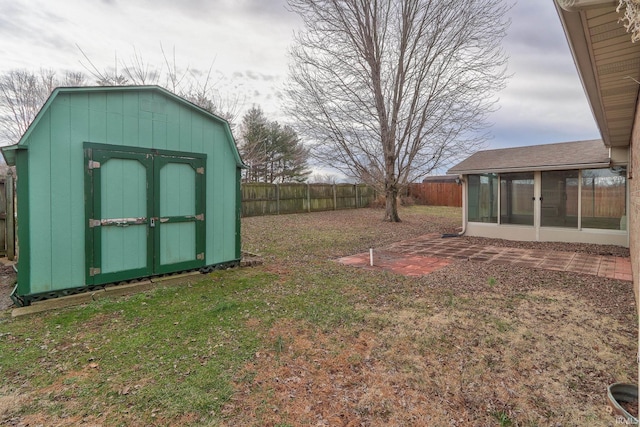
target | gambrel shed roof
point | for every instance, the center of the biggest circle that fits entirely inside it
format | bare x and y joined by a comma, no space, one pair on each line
150,106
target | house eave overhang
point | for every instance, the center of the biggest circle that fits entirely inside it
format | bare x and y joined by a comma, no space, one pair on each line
578,5
608,64
596,165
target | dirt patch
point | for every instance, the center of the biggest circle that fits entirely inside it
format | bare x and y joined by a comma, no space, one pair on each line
470,361
7,283
310,380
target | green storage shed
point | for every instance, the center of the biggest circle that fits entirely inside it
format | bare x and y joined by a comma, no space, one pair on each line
120,183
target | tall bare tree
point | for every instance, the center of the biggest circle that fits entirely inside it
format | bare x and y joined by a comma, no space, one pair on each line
390,90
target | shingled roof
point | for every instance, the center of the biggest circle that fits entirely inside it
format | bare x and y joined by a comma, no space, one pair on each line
565,155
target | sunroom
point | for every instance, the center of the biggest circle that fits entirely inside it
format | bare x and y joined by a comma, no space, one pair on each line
568,192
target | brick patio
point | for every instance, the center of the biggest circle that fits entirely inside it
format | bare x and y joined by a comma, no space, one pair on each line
428,253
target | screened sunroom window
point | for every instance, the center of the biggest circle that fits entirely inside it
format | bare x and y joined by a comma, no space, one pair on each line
559,207
604,198
482,198
516,198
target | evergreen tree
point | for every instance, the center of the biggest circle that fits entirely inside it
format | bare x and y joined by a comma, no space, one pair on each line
273,152
254,144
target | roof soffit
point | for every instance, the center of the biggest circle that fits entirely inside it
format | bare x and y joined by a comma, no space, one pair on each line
609,66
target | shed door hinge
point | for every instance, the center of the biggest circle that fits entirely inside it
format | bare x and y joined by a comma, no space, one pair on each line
94,271
94,223
200,171
94,165
200,256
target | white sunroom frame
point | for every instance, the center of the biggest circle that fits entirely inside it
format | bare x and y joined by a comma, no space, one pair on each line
536,232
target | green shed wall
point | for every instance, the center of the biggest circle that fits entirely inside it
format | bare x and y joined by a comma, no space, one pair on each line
55,174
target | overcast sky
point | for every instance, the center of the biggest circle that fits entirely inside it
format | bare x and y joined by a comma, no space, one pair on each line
246,43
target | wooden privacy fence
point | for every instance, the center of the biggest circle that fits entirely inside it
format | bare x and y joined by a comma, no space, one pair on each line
604,202
7,223
272,199
436,193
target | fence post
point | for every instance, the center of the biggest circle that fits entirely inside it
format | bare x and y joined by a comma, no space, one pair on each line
335,197
277,199
11,230
355,194
308,198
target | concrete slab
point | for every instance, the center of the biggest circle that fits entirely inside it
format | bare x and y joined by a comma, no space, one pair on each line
400,257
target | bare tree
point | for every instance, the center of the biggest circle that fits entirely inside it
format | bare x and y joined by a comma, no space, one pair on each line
203,92
74,79
196,87
22,94
322,178
105,77
389,90
139,71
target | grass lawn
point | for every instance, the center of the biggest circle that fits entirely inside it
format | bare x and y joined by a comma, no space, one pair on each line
304,341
